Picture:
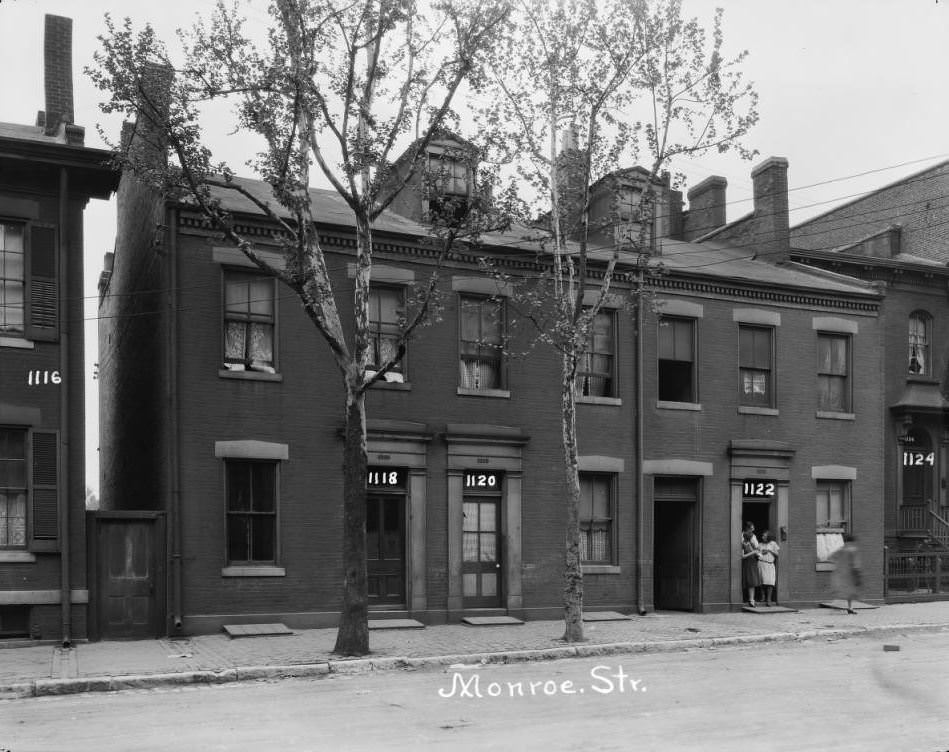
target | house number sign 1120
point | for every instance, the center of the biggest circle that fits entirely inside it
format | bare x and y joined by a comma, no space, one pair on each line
758,489
482,480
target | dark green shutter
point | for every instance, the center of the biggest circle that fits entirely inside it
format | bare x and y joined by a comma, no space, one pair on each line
42,293
44,497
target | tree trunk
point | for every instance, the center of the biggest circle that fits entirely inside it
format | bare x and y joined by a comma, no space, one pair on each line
353,635
573,574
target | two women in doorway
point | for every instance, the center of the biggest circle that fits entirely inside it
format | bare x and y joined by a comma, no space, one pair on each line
758,566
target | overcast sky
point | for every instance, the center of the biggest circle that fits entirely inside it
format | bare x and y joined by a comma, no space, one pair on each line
846,87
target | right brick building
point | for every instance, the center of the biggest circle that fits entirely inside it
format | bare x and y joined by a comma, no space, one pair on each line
898,237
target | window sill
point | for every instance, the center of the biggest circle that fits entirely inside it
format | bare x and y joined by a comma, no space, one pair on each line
499,393
18,342
392,386
254,571
225,373
616,401
751,410
16,557
600,569
824,566
835,415
664,405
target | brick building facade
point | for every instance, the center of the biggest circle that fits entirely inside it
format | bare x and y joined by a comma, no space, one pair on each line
758,381
47,176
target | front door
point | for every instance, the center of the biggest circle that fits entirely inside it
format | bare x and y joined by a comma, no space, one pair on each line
385,548
481,546
674,555
128,574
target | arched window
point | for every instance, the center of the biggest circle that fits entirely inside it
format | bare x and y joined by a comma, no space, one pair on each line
920,324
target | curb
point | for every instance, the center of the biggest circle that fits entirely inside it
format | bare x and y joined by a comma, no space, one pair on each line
78,685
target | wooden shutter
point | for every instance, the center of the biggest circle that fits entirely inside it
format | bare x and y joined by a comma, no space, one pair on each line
44,493
42,284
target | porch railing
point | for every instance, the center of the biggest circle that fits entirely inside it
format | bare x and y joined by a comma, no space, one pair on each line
940,528
910,573
913,518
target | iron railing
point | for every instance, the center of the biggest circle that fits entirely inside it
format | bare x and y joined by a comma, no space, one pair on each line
915,573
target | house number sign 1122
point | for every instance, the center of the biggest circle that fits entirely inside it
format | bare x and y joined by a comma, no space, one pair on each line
758,489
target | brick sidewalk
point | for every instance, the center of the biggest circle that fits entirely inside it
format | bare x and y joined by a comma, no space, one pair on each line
220,653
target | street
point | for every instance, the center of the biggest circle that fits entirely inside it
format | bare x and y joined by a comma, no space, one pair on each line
841,694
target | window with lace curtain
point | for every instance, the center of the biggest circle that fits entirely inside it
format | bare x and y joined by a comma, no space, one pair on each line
919,336
13,488
595,370
596,518
755,355
249,322
385,327
481,363
833,516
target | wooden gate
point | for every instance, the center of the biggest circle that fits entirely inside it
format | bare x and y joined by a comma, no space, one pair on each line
127,571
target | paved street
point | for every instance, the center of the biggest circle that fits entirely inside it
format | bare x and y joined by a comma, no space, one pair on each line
841,694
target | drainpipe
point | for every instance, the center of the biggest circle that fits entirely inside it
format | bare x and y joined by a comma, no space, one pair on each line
175,526
640,454
65,598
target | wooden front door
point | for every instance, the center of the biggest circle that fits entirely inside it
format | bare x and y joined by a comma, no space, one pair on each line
481,557
129,573
385,548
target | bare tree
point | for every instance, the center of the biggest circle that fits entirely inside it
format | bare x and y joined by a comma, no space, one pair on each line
619,78
336,86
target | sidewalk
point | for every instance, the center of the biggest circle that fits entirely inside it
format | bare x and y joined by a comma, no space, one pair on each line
104,666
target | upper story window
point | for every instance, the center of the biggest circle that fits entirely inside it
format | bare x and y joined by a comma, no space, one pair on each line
920,325
481,343
12,278
449,193
249,322
13,488
833,372
755,366
385,328
595,374
677,382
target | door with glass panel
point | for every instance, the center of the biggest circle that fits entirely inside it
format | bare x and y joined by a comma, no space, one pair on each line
481,546
385,548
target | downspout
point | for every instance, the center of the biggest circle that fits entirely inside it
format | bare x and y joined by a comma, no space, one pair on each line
65,597
640,454
175,527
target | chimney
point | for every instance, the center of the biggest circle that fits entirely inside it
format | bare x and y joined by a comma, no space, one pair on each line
57,60
145,139
772,233
706,207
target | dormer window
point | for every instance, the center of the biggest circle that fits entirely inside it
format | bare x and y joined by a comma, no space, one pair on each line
919,335
449,181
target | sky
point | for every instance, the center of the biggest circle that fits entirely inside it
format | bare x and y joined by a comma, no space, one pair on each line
854,93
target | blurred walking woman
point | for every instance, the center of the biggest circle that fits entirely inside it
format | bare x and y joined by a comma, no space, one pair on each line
750,574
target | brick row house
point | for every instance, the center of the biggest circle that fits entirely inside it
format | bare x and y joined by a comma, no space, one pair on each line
221,414
897,236
47,176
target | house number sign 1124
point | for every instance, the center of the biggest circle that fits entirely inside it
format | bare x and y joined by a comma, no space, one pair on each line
919,459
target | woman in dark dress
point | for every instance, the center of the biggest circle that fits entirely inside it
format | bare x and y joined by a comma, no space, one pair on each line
750,574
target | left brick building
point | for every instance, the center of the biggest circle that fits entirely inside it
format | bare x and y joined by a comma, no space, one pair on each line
47,176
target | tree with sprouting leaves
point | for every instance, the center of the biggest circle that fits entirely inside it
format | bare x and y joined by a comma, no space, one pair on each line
335,89
579,89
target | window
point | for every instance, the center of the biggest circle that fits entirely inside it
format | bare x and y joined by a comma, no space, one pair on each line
13,488
385,327
248,322
482,342
596,518
833,516
755,352
251,488
677,359
12,278
919,335
833,372
595,372
449,182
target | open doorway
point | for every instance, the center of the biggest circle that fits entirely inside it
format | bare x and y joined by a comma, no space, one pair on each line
676,550
759,514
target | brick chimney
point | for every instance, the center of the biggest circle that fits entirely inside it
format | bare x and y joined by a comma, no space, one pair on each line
706,207
772,237
57,60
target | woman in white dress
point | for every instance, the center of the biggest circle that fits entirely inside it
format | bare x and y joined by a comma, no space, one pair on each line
768,549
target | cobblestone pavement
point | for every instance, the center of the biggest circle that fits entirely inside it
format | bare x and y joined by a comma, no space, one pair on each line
657,631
